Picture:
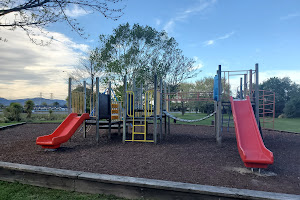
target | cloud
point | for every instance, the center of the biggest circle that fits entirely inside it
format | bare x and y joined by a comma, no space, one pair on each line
200,8
290,16
213,41
76,11
157,22
28,69
293,74
169,26
198,64
209,42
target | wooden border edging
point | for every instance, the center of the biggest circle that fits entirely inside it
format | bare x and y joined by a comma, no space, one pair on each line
11,126
123,186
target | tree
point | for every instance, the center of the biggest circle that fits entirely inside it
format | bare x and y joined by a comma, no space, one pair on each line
29,104
13,112
183,90
291,109
44,104
56,104
33,15
284,90
89,67
141,51
206,86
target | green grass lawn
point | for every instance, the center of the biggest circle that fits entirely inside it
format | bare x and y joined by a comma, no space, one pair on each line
9,123
193,116
284,124
17,191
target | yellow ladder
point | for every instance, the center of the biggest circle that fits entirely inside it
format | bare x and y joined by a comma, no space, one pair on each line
131,113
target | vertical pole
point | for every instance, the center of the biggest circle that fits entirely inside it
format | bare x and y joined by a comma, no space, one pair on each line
219,112
154,115
169,104
216,117
141,97
97,110
109,121
124,109
250,84
228,85
257,97
245,85
84,97
241,88
165,107
135,95
256,94
70,96
273,108
161,109
84,107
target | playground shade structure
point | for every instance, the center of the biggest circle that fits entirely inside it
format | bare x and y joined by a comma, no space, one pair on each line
63,132
249,142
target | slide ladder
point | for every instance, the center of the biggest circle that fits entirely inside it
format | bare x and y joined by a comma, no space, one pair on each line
142,124
250,144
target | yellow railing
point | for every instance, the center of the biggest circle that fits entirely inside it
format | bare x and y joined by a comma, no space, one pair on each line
148,110
78,102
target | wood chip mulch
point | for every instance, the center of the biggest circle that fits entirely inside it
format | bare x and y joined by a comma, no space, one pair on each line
190,154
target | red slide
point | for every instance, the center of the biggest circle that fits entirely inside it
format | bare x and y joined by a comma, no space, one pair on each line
250,144
63,132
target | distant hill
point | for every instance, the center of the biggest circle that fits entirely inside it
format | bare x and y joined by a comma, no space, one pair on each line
37,101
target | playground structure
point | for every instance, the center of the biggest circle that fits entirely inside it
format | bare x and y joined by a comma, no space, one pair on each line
141,107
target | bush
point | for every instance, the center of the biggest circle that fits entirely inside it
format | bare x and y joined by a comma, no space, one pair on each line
13,112
29,104
292,108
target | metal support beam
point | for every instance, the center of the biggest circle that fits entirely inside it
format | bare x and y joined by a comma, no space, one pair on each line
84,107
154,115
169,119
109,121
250,84
97,110
219,111
70,96
161,109
241,88
245,85
124,109
257,95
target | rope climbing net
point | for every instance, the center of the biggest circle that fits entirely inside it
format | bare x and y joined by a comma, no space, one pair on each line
188,120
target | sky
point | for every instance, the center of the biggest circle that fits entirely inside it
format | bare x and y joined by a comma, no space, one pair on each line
233,33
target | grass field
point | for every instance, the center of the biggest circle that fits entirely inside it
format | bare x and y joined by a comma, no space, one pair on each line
9,123
283,124
17,191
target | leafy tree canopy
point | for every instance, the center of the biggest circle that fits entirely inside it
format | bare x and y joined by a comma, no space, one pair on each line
33,15
141,51
284,90
29,104
13,112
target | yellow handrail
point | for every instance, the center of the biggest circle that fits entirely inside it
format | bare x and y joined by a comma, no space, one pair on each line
130,100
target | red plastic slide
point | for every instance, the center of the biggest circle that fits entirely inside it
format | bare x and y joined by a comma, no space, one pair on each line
63,132
250,144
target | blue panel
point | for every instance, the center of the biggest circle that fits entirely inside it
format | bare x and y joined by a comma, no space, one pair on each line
216,89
